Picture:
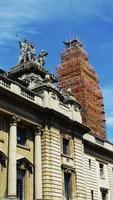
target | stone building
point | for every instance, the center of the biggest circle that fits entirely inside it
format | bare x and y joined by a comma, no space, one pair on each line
46,152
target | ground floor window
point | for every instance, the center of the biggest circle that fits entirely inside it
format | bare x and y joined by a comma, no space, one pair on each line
24,170
2,160
20,184
92,195
67,186
104,194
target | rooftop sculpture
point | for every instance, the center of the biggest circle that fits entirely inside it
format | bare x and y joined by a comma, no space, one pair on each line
28,53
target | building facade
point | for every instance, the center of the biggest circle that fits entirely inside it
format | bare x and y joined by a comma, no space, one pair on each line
98,168
46,152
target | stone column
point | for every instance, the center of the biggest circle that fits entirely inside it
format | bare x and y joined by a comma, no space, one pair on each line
12,179
38,165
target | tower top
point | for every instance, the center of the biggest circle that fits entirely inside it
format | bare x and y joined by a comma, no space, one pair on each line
73,43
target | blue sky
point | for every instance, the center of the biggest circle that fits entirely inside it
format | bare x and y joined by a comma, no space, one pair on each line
47,23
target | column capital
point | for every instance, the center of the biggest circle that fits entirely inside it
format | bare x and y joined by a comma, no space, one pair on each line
38,130
14,119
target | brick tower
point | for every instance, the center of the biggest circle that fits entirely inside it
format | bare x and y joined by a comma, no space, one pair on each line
76,73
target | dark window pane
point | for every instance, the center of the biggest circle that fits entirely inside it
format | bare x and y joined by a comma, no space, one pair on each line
21,136
92,195
67,186
20,184
89,163
104,195
65,146
101,166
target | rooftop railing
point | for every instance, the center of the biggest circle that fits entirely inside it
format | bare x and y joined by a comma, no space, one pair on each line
23,92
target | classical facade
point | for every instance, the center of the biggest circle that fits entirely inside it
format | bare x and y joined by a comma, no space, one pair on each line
46,152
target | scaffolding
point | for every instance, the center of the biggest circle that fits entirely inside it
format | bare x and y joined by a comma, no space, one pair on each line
76,73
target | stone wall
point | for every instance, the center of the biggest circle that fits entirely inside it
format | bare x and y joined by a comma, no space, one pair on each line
51,164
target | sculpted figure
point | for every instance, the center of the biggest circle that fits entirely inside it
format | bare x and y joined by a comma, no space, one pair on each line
42,58
27,51
31,52
23,50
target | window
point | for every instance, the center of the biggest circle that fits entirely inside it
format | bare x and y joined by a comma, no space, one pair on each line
67,186
2,160
92,195
21,135
2,163
90,164
20,184
66,146
104,194
112,169
101,168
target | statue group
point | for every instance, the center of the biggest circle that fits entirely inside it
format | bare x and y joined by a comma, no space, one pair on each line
28,53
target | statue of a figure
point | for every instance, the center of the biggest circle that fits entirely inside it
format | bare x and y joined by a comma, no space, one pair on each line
31,52
42,58
23,50
27,51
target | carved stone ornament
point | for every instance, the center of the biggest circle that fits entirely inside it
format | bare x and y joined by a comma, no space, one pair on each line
14,120
68,171
38,130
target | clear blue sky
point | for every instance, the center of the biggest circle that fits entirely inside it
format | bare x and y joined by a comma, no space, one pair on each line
48,22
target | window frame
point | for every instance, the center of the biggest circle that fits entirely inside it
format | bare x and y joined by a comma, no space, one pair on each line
65,146
21,173
23,130
67,172
104,194
67,185
101,170
92,194
90,163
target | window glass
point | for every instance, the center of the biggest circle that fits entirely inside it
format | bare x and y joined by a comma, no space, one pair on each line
92,195
104,195
20,184
67,186
101,168
2,161
21,135
66,146
90,164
